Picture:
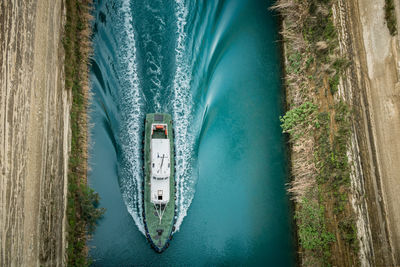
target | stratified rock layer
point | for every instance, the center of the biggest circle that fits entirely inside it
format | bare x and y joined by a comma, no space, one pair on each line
34,133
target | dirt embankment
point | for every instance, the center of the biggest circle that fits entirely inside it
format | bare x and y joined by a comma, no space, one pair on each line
34,133
373,89
340,54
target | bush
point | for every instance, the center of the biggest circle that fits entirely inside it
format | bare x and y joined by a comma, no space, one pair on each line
294,63
390,17
339,66
299,116
90,212
313,232
348,231
334,83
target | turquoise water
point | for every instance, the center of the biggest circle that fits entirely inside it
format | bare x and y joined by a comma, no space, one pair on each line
215,67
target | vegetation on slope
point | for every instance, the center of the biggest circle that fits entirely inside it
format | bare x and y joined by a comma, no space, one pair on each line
390,17
318,123
82,206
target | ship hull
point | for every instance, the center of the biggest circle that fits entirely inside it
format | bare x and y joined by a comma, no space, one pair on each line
152,224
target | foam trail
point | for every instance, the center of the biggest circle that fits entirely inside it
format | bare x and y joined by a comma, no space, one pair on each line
153,56
182,105
132,112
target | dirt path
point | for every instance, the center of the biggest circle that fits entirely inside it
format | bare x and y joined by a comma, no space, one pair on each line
384,104
372,86
34,117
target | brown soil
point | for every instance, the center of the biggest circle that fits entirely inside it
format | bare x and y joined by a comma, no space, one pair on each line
342,253
34,133
372,88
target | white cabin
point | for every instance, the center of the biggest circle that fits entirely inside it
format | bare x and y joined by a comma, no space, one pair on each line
160,165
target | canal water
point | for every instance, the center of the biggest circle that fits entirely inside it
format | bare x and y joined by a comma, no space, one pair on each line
215,67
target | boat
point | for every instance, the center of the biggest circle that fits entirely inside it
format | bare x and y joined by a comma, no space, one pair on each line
159,208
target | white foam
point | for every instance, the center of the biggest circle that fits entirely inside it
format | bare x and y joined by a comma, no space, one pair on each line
132,113
153,58
154,71
182,104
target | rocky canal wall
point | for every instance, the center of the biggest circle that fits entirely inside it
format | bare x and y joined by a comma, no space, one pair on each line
34,133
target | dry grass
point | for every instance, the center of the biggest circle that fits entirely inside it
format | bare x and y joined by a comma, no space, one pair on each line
303,168
82,211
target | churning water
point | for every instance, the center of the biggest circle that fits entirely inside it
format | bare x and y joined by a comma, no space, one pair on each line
215,67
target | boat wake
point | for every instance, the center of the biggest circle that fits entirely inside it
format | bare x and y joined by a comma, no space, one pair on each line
133,109
152,45
182,113
132,112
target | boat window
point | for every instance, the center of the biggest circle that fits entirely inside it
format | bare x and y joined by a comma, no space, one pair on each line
160,194
160,178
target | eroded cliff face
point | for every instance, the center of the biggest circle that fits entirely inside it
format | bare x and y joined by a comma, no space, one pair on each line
34,133
371,86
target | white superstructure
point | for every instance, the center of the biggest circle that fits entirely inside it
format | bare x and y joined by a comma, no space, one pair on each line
160,164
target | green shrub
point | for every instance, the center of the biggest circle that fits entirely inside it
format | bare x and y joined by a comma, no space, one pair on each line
90,211
390,17
312,230
301,115
348,231
339,66
294,63
334,83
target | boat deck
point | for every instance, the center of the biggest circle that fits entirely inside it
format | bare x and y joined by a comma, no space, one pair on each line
151,220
